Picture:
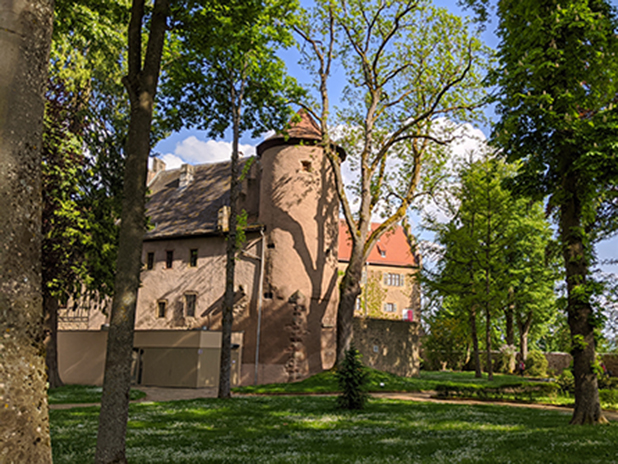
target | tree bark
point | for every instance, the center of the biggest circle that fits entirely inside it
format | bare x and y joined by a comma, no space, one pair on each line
227,319
490,367
349,290
50,311
508,319
25,37
524,330
141,84
475,343
587,405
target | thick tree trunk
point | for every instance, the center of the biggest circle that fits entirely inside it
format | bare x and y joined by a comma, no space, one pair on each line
141,85
228,300
50,311
349,290
587,404
475,344
25,37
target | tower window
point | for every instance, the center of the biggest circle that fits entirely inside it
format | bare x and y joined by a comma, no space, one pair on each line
169,259
193,258
161,307
150,260
306,166
190,304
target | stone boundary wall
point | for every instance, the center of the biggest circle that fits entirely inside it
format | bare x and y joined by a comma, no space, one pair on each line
388,345
557,361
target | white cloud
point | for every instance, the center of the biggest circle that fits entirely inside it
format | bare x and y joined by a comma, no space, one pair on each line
194,151
171,161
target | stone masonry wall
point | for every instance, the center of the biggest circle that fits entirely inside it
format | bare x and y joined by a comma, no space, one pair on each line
389,345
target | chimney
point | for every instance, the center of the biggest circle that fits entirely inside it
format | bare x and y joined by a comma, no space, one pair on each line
158,165
186,175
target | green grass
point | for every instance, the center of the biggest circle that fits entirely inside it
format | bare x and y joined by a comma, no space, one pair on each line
76,394
326,382
283,429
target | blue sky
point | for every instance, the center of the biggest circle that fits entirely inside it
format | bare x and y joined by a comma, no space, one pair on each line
192,146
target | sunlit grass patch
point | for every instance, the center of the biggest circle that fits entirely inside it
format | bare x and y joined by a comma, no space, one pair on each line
311,430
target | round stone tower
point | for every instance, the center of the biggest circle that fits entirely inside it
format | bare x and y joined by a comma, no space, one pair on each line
299,208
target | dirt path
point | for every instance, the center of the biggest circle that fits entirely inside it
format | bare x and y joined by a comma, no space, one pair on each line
158,394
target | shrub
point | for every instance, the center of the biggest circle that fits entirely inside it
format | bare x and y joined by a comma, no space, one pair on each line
352,378
536,364
609,396
566,381
608,383
505,361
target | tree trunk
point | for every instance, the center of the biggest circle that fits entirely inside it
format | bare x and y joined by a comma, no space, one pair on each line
587,405
349,290
50,312
508,319
228,300
25,37
524,330
475,343
490,367
141,85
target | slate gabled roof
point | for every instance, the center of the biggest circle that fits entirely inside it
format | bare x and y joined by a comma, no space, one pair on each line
193,209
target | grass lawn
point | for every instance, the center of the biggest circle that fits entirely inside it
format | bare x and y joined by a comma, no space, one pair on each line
70,394
326,382
283,429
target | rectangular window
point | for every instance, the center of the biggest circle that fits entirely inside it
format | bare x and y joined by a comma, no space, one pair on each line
190,304
193,258
390,307
169,259
393,280
150,260
162,307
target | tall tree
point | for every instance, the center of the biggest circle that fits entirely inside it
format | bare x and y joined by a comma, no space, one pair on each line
408,66
232,78
141,85
558,84
25,38
84,113
494,254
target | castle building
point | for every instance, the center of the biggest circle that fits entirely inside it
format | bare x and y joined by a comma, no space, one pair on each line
286,275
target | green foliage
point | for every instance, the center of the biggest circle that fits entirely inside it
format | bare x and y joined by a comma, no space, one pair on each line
373,296
578,343
213,78
495,254
536,364
566,381
448,342
608,396
505,361
352,379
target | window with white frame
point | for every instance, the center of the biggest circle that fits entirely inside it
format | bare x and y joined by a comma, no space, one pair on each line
390,307
393,280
